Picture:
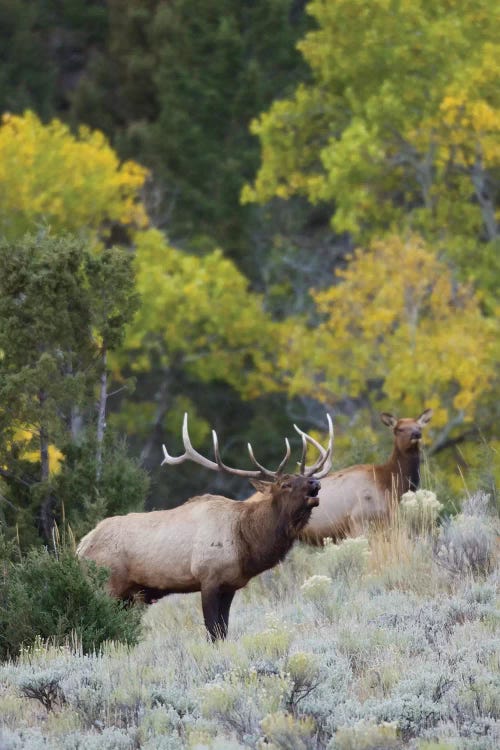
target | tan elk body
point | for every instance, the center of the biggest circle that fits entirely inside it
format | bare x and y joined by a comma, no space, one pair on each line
210,544
352,498
356,496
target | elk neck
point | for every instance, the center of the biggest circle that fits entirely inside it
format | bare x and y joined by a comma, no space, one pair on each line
267,532
402,470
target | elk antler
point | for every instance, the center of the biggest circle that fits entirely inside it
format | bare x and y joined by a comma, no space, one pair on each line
191,454
324,463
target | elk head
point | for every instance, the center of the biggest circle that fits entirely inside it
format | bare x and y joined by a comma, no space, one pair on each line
299,489
407,432
296,495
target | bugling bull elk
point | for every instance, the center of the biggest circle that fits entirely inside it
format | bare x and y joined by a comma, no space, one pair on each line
352,497
210,544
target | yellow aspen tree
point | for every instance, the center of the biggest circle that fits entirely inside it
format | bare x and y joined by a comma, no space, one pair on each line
70,182
396,327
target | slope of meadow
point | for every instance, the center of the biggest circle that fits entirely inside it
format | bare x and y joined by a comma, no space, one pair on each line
384,642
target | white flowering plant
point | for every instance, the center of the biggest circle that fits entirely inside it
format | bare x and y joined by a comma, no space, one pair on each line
420,510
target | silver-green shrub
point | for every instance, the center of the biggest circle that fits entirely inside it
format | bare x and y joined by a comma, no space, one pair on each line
239,702
109,738
345,561
44,686
466,543
367,736
23,739
305,674
413,714
283,731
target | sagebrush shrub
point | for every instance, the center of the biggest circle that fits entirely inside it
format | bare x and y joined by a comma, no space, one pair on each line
367,736
466,545
43,686
478,504
109,739
285,732
272,643
304,674
411,713
240,702
347,560
19,740
316,587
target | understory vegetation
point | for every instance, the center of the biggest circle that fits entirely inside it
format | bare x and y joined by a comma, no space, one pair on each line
57,598
388,641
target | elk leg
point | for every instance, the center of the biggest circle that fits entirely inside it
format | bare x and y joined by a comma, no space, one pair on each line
226,598
210,603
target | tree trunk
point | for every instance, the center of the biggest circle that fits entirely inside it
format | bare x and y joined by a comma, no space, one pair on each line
101,416
162,398
74,420
44,440
485,199
47,506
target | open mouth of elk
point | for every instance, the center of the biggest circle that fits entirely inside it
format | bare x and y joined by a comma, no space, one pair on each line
312,498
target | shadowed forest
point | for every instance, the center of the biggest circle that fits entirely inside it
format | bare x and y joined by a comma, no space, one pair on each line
253,212
258,213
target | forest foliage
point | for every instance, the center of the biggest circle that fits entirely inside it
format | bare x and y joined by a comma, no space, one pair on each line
69,183
252,211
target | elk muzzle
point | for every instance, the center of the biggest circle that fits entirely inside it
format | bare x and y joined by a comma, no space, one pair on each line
313,487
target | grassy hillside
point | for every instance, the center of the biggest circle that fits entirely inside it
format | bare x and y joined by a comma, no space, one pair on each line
385,642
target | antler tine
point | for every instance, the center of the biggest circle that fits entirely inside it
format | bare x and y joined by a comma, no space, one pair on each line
322,472
322,465
285,459
326,468
238,472
263,469
189,453
324,462
306,470
302,462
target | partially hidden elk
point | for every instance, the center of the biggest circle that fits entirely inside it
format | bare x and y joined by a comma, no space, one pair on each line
211,543
354,497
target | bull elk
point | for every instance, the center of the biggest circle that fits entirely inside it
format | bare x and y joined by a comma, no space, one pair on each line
211,543
352,497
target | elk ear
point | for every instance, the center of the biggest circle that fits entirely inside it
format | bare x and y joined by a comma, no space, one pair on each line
388,419
260,485
425,417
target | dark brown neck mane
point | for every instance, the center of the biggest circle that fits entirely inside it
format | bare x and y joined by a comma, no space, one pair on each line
267,532
402,470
